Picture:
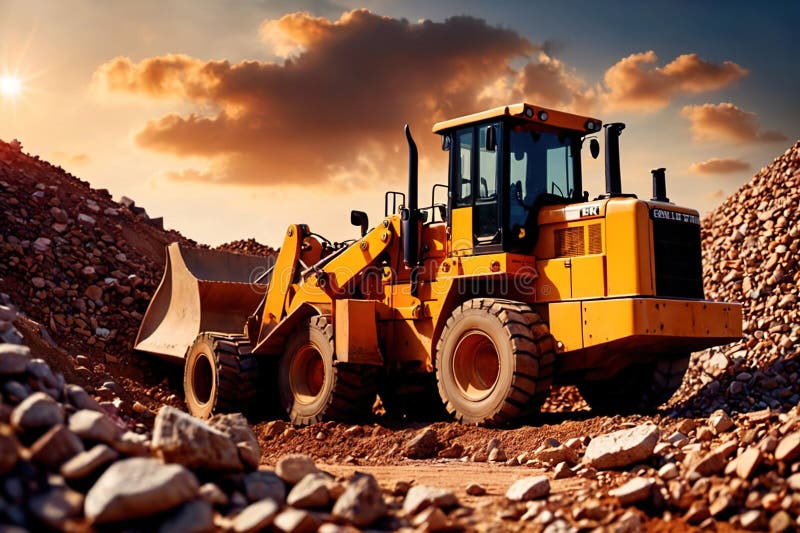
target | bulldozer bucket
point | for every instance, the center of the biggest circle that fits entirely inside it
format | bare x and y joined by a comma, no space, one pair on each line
202,290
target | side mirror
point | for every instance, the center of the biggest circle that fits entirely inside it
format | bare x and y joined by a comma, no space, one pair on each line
446,142
594,148
491,139
360,218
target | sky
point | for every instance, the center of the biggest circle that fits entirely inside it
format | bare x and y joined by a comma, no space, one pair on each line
233,119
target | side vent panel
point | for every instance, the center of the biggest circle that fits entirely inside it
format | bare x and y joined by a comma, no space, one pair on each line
569,242
595,239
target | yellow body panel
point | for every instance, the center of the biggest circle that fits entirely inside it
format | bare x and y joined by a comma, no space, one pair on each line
628,249
356,332
567,318
461,233
588,276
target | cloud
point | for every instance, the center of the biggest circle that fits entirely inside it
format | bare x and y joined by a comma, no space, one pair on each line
550,83
331,110
72,159
725,121
334,107
634,83
720,165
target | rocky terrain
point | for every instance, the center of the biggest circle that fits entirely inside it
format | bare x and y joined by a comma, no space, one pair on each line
79,411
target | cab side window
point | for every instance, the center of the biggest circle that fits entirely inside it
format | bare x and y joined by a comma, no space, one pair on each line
463,188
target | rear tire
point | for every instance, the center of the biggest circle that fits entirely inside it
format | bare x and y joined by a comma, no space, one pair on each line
220,375
494,362
637,388
313,387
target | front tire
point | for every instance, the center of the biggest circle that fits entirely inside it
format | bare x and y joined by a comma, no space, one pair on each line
313,388
494,362
220,375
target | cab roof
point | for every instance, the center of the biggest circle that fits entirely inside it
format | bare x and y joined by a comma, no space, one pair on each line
526,112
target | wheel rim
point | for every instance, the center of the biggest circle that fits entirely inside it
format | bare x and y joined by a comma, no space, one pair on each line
202,379
306,374
476,365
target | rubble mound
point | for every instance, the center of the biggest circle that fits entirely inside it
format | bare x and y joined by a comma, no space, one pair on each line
750,255
248,247
73,259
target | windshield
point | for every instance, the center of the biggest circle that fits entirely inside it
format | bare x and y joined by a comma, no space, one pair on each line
539,163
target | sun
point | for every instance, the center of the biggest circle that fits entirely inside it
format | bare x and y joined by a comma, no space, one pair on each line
10,86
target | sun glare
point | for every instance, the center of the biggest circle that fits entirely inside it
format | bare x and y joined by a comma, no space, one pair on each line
10,86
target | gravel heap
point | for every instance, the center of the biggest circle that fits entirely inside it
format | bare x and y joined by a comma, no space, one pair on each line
750,255
248,247
77,262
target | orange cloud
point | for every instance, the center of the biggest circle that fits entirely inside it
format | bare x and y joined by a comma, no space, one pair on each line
633,83
720,165
346,91
550,83
333,109
725,121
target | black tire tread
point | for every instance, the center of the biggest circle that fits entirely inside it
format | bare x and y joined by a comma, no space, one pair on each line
533,347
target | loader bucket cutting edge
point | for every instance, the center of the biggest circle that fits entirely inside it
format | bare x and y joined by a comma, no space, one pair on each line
202,290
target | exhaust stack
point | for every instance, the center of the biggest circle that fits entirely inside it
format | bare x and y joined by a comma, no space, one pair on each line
613,174
410,213
659,185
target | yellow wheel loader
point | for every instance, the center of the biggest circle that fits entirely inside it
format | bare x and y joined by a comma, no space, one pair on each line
477,304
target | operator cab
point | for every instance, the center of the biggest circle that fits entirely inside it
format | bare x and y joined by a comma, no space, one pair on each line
505,164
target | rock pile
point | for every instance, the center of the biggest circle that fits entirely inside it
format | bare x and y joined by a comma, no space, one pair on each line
248,247
81,264
750,247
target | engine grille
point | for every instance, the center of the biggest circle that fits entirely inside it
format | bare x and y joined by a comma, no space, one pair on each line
678,259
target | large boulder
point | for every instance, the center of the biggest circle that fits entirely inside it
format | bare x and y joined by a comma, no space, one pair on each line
181,438
138,487
622,448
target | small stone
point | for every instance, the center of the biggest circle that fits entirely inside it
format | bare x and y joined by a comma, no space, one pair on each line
422,446
55,447
93,292
362,503
529,488
401,487
714,461
788,448
88,462
93,426
195,516
747,462
255,516
263,484
622,448
38,282
557,454
292,468
497,455
86,219
310,492
453,451
37,411
431,519
668,471
13,358
474,489
295,521
422,496
562,471
781,522
137,487
751,519
56,507
634,491
720,422
79,398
